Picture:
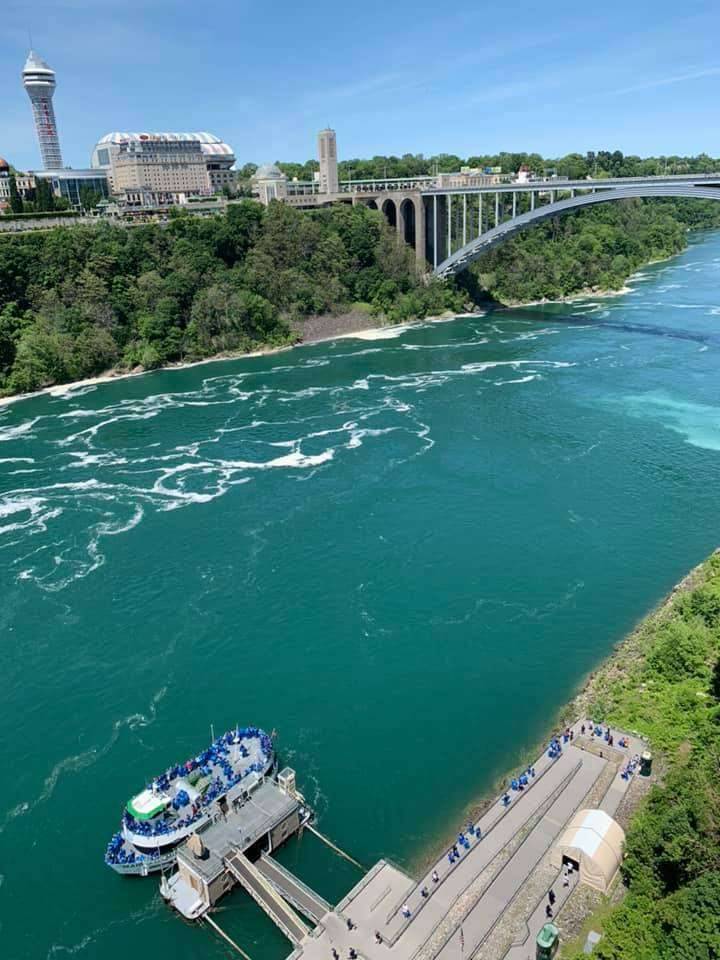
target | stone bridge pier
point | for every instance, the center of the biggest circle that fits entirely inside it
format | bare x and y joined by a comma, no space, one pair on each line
406,212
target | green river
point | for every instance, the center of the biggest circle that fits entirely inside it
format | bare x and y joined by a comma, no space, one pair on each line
403,551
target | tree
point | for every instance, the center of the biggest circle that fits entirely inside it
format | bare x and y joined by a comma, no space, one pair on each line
16,204
715,681
89,198
224,318
246,171
44,199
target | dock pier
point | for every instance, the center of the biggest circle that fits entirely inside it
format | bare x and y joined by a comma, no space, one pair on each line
467,906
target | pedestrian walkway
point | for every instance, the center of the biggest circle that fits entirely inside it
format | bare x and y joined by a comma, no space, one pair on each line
525,949
248,875
451,912
478,924
292,889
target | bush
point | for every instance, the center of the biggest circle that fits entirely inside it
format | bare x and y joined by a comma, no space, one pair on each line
681,649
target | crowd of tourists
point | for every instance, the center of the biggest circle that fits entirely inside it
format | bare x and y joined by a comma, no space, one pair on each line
218,768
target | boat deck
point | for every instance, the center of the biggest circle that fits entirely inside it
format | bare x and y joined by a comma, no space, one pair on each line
267,806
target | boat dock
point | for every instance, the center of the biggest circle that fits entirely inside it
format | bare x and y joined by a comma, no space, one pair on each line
256,817
486,903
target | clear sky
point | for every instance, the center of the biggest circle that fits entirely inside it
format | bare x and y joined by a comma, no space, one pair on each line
390,76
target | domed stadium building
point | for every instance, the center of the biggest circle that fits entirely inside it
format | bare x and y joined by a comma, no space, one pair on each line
164,167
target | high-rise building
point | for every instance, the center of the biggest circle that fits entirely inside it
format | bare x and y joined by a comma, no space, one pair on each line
327,154
39,82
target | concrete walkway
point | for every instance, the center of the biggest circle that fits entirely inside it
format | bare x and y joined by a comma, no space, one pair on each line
502,891
473,893
525,950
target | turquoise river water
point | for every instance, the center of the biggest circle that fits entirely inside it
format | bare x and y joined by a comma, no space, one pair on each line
403,551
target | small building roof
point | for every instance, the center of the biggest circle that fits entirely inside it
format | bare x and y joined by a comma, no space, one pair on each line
595,842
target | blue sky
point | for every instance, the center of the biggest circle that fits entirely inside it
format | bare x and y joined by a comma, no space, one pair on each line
425,77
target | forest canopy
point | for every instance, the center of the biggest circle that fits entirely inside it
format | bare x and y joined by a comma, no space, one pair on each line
77,301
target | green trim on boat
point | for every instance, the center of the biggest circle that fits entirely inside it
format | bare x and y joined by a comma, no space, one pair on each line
146,814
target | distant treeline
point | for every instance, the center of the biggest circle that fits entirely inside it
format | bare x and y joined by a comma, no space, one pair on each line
603,163
77,301
598,247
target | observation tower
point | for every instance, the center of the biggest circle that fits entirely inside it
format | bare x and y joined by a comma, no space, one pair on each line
39,82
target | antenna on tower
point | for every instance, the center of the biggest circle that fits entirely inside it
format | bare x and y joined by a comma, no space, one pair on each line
30,37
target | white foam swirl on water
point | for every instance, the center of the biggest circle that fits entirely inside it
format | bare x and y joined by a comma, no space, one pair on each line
239,427
530,377
21,430
80,761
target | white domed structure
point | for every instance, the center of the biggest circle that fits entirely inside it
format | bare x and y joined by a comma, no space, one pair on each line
269,183
268,171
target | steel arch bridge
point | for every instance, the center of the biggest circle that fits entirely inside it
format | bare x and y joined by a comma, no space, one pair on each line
697,188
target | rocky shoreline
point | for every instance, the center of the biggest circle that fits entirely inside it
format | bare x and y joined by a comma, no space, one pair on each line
591,689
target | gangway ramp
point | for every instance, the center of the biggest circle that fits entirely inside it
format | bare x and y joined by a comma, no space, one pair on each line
264,894
292,889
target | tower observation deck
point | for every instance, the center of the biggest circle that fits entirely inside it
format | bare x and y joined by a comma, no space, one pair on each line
39,82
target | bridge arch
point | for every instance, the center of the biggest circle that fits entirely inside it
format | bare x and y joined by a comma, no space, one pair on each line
389,209
407,221
462,258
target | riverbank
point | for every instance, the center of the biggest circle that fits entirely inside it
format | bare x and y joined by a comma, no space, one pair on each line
319,329
358,321
623,693
586,293
593,292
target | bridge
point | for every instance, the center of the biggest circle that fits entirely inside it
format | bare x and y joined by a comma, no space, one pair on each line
452,219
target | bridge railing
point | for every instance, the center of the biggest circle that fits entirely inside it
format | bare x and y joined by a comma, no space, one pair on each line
386,185
560,184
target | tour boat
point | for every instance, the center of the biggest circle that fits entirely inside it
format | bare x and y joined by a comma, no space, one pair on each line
184,798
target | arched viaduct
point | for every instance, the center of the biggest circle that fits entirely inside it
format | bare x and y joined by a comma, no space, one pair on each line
449,229
459,260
